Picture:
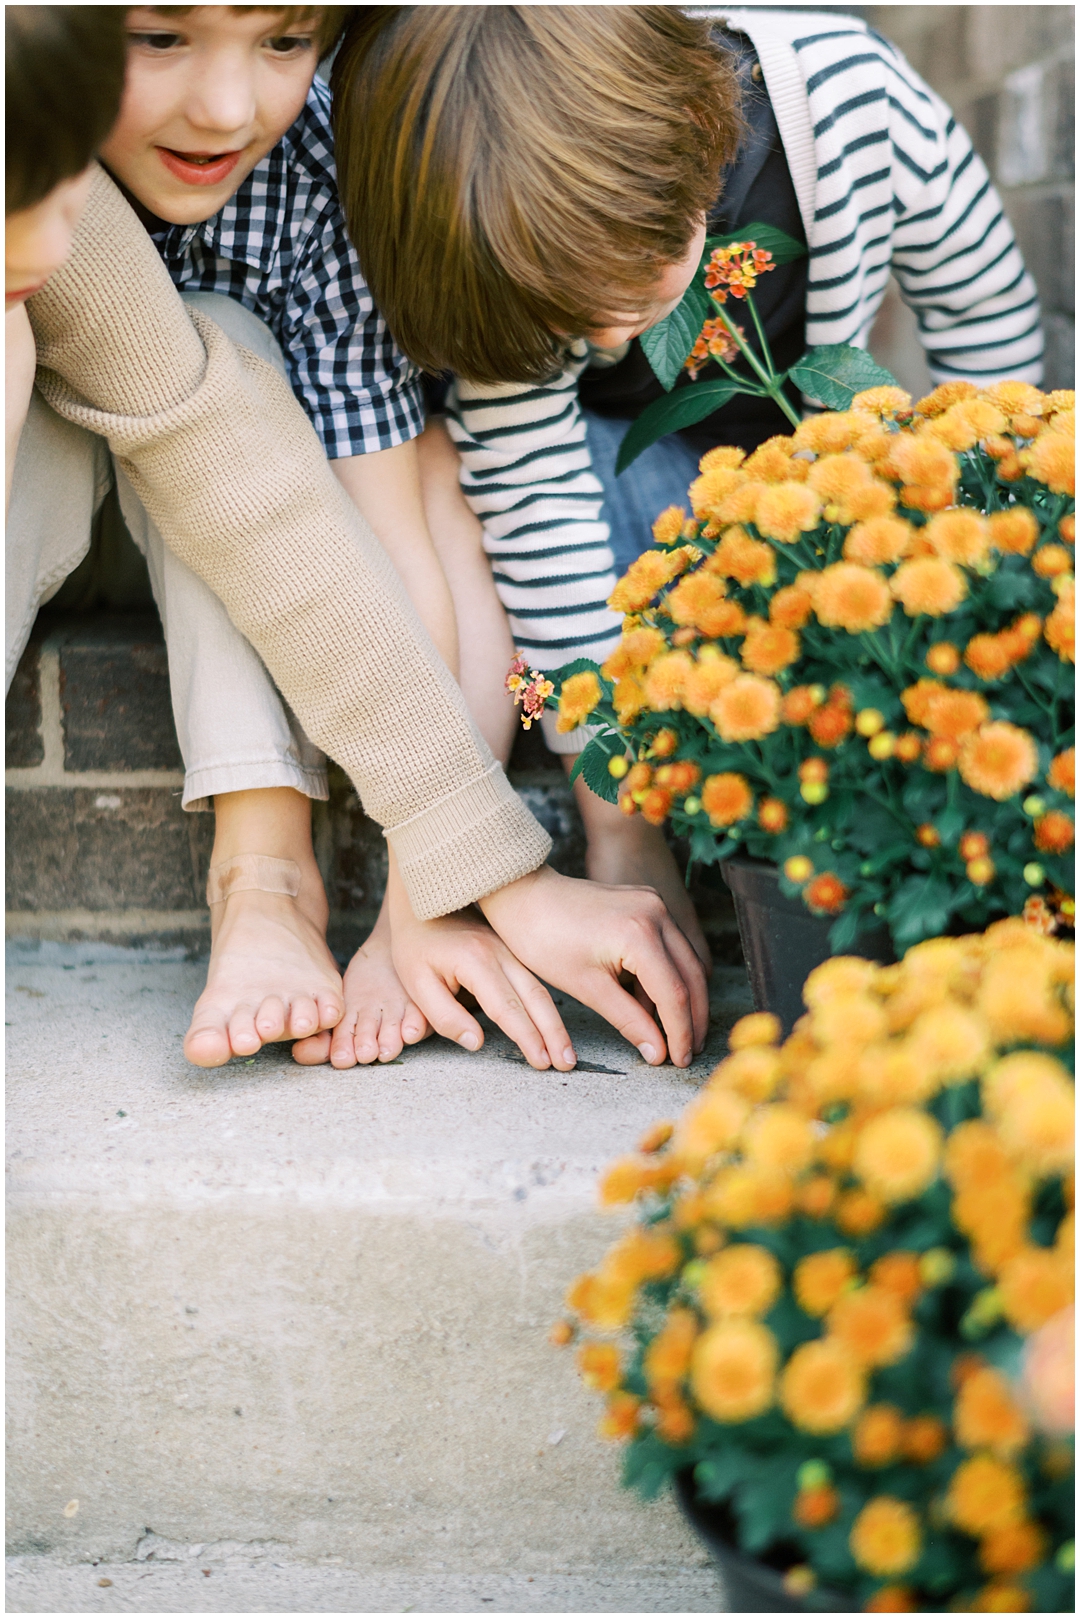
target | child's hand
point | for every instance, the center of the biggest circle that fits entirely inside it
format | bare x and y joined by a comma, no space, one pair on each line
434,959
581,936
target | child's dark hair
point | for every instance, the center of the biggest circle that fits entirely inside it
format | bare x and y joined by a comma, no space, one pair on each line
64,76
513,173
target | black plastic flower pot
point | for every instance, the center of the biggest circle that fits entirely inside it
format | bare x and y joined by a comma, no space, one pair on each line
782,942
750,1585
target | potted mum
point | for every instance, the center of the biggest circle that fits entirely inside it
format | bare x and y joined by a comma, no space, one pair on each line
843,1253
852,661
845,672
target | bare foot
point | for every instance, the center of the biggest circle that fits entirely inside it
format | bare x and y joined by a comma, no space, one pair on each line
379,1018
270,977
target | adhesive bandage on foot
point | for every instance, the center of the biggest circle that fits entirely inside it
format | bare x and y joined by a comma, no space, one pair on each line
252,871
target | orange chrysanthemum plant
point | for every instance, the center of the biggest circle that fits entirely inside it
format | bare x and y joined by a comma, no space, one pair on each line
853,658
851,1267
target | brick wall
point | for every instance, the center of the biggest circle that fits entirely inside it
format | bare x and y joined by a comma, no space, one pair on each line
1007,73
98,846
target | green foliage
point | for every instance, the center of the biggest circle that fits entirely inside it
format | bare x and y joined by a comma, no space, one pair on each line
668,343
784,248
592,764
833,375
671,414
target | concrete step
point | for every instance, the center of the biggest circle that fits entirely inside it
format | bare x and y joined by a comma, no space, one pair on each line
98,846
307,1311
211,1582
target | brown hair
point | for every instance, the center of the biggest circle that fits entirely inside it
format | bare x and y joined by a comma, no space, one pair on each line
63,78
510,173
331,19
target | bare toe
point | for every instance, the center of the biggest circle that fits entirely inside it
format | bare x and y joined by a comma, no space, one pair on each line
414,1025
243,1035
391,1043
363,1038
270,1019
330,1009
303,1017
207,1044
312,1051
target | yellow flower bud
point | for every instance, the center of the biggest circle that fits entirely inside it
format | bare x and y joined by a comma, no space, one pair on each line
1034,806
936,1266
882,745
1034,875
798,868
618,766
692,806
869,722
814,792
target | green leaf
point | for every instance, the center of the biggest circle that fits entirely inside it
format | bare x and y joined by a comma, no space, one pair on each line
668,344
764,1503
783,248
844,932
725,1469
592,766
920,909
675,411
833,375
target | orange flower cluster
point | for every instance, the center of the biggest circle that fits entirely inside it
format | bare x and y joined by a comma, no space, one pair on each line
852,530
805,1148
714,343
735,269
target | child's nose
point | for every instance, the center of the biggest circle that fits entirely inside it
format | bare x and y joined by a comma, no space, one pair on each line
222,99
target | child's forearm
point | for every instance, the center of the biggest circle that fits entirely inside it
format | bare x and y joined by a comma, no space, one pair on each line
227,465
385,488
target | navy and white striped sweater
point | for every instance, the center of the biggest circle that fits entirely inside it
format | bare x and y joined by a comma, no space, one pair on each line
886,180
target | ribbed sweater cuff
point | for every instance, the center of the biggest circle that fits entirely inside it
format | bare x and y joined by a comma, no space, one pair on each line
467,845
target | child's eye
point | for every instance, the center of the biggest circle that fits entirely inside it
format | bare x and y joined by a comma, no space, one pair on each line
289,44
156,42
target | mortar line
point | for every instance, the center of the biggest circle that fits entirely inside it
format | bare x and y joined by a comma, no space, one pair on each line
25,780
52,719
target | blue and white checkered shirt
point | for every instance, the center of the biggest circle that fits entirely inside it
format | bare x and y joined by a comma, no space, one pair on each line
280,247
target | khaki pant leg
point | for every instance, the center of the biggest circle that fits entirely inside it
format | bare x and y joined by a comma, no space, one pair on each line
236,732
62,474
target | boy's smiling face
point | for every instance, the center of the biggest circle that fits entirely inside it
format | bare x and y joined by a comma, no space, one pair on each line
207,94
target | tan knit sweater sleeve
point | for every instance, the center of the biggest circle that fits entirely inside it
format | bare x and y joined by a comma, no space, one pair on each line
228,466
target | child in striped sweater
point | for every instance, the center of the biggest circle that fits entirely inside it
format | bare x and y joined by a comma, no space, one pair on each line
529,189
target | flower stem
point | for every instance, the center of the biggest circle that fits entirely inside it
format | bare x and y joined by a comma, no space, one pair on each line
773,387
747,387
